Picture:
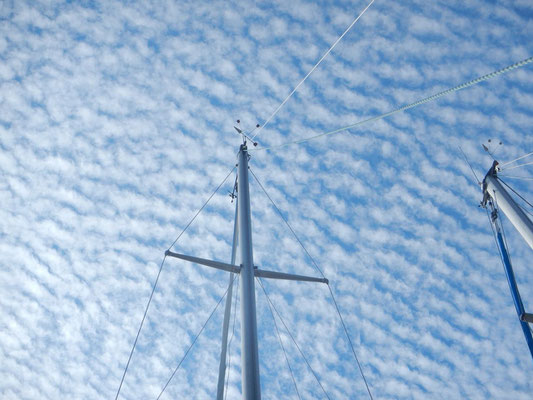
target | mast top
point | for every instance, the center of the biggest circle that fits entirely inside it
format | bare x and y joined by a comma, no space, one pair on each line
244,134
492,172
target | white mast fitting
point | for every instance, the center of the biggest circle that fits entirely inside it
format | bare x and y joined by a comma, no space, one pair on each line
494,189
242,238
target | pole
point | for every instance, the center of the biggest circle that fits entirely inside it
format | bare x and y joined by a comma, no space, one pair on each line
251,388
242,241
227,312
506,203
495,195
514,290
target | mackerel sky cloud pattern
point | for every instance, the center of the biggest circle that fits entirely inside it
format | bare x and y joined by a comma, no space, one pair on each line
116,124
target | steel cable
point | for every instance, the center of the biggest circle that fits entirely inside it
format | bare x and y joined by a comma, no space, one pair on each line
140,327
408,106
323,276
201,208
281,344
517,166
157,280
516,159
515,192
312,69
293,339
194,341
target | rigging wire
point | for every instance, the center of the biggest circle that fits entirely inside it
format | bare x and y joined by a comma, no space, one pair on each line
231,338
515,192
494,236
288,225
194,341
516,159
292,338
524,178
323,276
517,166
518,194
311,71
201,208
350,341
157,280
470,165
140,327
408,106
283,347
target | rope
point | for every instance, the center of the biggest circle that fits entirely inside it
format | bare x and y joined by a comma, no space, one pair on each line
288,225
201,209
516,159
292,338
140,327
470,165
323,276
194,341
157,280
350,341
408,106
517,166
283,348
312,69
525,178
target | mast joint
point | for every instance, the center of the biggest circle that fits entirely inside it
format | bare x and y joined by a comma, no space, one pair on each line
527,317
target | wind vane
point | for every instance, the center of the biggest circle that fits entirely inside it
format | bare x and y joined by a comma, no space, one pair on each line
246,135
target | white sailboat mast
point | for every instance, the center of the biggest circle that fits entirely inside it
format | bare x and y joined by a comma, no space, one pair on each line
496,197
251,388
242,241
493,189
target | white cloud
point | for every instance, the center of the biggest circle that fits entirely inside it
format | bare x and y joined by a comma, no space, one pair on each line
116,125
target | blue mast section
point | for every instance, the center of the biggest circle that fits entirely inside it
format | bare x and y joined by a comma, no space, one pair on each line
495,196
515,293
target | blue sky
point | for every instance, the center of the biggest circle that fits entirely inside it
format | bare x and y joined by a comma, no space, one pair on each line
116,124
